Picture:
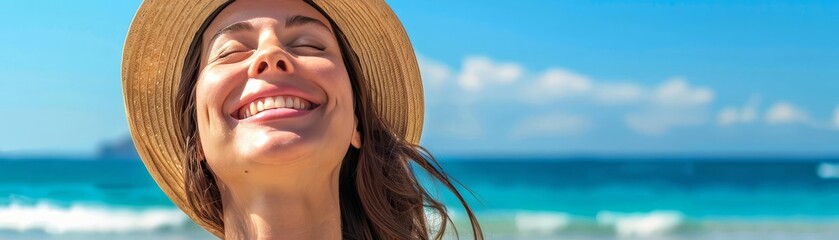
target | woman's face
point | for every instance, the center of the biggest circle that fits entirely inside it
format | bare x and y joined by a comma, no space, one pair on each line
273,91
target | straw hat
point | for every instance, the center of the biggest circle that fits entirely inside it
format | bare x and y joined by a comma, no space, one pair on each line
154,54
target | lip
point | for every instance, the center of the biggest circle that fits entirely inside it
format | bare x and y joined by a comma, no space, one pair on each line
271,91
277,113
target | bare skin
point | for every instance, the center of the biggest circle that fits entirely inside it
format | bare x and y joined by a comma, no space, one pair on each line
277,169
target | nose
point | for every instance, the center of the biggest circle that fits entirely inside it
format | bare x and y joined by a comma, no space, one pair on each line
271,59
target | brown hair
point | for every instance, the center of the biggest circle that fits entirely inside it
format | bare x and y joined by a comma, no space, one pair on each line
380,196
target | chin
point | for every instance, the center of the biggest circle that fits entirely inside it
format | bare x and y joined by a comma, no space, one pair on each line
277,148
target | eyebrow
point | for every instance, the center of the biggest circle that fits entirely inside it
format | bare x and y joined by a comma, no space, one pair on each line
292,21
299,20
232,28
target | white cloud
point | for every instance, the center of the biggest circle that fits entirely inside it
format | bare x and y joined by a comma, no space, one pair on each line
551,125
661,121
734,115
785,113
836,117
749,113
457,122
651,110
433,73
479,71
674,103
556,84
728,116
676,92
619,93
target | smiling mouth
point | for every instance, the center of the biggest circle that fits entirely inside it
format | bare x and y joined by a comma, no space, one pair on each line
269,103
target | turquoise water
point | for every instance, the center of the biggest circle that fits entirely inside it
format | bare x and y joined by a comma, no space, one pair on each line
516,199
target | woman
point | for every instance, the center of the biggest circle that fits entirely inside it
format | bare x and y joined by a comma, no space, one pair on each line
289,119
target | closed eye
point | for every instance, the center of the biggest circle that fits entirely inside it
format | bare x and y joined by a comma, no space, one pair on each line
306,49
319,48
228,53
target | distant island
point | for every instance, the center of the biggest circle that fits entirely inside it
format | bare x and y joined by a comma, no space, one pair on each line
120,149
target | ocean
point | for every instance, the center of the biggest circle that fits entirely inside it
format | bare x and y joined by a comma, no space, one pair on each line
533,198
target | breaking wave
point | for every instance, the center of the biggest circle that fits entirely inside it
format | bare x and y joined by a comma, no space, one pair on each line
55,219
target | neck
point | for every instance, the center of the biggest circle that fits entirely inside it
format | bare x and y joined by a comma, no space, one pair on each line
311,211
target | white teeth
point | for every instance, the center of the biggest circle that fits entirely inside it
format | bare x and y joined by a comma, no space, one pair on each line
289,103
253,109
279,102
271,103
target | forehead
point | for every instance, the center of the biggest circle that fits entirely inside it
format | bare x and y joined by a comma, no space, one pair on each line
260,11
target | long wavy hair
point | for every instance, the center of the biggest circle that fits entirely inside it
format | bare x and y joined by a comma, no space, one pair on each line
380,197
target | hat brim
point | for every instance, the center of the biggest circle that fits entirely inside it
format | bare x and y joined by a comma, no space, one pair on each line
156,47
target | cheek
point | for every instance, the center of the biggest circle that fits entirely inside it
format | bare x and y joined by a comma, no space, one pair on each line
333,77
210,94
345,114
205,106
214,90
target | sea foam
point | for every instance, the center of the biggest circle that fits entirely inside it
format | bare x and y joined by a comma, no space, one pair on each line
828,170
654,223
54,219
541,223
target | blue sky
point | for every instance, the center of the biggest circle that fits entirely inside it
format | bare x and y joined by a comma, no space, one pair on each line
502,77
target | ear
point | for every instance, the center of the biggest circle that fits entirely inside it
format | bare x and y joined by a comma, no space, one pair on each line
356,135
